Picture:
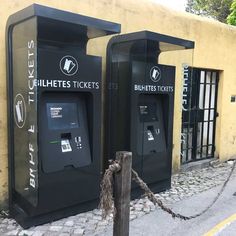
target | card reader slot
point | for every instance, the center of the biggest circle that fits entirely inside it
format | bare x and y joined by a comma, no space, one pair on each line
66,136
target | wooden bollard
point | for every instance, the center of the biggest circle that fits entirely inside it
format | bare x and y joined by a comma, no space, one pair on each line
122,187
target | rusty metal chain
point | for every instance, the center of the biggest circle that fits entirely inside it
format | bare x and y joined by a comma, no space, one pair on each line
151,196
4,214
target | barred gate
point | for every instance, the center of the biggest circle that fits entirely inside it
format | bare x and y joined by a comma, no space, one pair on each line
199,119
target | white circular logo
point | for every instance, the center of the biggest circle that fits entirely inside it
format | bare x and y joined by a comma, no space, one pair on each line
19,110
155,74
68,65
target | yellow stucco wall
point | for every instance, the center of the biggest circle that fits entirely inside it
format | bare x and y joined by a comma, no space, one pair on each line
215,48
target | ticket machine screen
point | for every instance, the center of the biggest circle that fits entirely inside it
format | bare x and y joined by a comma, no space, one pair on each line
62,115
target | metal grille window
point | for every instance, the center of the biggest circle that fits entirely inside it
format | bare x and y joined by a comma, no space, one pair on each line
199,119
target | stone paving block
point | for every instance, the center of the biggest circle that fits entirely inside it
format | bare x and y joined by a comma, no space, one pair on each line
12,232
26,232
78,231
42,228
102,223
89,233
88,215
48,233
92,222
100,229
57,223
69,223
81,220
55,228
38,233
11,227
138,207
3,230
64,234
11,221
67,229
97,217
5,221
97,212
146,209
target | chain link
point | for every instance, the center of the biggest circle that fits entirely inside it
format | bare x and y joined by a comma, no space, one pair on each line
4,214
151,196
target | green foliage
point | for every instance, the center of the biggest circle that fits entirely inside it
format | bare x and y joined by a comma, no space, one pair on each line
217,9
231,19
190,7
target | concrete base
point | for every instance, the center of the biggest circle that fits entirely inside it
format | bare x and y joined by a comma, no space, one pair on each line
197,165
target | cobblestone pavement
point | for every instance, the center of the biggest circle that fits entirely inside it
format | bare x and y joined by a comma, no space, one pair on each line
184,185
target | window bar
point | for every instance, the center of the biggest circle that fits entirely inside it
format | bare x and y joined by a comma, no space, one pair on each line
204,94
186,129
198,110
182,142
187,134
215,112
191,73
197,74
209,112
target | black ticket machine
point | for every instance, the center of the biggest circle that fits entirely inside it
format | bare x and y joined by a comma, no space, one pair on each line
140,103
54,94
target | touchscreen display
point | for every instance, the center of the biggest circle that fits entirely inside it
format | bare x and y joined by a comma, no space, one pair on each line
148,112
62,115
